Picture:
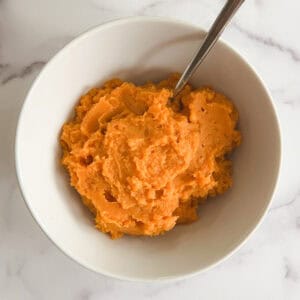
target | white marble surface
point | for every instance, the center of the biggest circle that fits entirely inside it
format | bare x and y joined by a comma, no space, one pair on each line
266,32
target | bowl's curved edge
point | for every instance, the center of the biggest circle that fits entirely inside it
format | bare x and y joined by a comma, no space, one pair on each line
83,35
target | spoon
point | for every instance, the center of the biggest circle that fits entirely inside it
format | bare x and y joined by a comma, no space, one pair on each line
229,9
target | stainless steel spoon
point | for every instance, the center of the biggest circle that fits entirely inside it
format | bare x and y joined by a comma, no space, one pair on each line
212,36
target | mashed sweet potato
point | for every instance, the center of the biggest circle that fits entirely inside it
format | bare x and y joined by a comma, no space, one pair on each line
142,166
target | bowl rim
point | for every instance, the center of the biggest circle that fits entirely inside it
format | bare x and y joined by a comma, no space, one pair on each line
80,37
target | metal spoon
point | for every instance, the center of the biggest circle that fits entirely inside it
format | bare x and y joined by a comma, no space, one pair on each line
212,36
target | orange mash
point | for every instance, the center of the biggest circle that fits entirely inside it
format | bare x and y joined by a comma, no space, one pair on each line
142,166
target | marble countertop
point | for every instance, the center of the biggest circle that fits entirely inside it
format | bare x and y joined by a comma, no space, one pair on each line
267,267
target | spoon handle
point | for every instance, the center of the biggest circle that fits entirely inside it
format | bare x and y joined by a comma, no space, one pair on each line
212,36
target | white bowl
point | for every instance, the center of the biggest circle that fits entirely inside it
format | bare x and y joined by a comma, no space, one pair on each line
140,49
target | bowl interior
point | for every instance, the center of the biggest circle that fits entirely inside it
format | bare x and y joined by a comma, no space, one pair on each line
138,50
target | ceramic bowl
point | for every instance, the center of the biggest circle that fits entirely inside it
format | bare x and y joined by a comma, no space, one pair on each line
138,50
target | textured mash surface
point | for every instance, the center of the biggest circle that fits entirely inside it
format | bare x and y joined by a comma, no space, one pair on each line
142,166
